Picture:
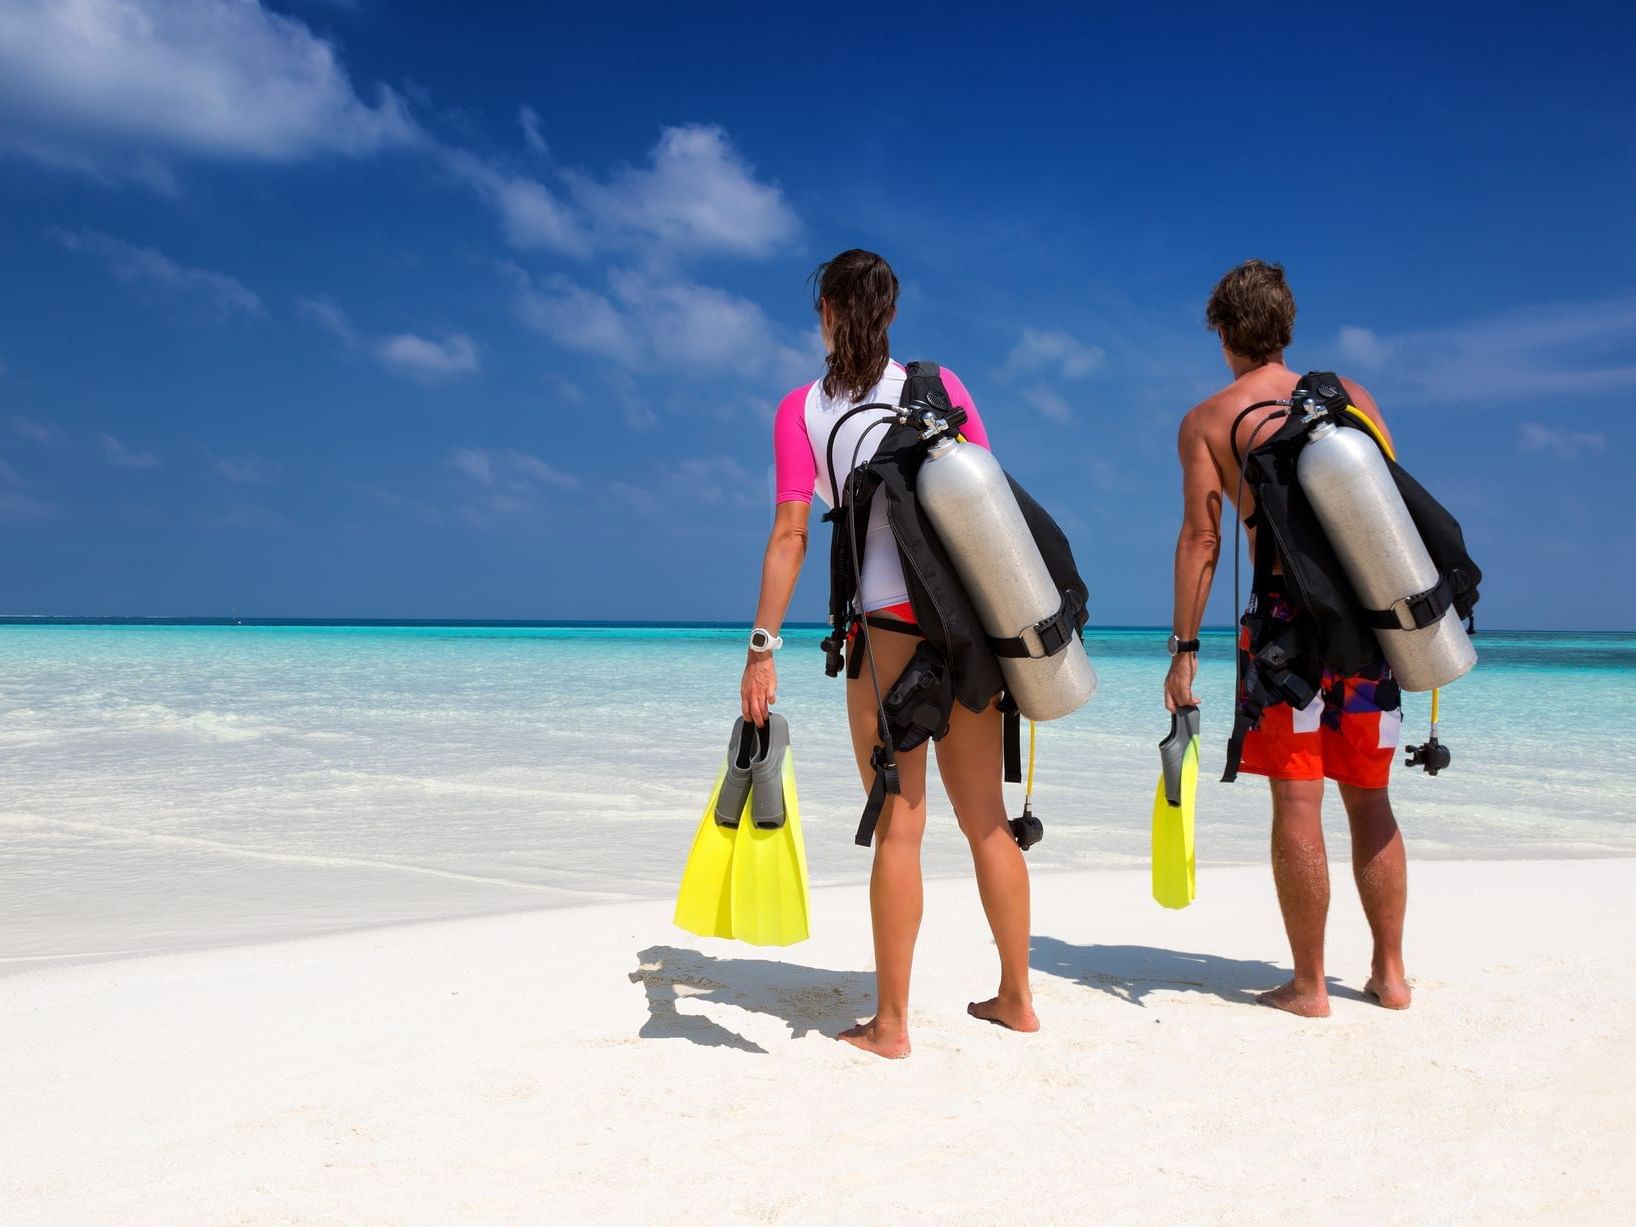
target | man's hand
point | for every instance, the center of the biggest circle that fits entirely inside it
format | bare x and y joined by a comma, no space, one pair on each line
1184,667
759,688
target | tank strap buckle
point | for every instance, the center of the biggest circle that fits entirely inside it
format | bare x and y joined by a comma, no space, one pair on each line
1413,613
1058,631
1046,637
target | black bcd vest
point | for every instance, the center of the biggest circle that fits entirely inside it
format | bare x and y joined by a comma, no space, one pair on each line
1332,627
943,611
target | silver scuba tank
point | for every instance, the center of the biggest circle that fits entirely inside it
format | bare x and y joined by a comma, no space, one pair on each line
1348,484
966,496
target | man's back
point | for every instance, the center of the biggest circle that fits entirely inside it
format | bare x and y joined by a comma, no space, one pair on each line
1210,423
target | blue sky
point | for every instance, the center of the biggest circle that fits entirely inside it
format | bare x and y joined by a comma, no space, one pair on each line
382,309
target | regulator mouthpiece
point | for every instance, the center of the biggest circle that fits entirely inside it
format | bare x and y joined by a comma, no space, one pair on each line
1027,830
1431,757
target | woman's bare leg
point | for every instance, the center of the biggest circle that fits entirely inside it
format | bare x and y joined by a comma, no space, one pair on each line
969,760
895,892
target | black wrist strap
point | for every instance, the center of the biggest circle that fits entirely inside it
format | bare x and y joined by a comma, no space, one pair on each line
1186,645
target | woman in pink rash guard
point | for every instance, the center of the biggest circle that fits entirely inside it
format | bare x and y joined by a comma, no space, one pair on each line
856,300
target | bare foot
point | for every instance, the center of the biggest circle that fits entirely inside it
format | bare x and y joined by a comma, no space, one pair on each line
1390,991
871,1037
1308,1003
1013,1015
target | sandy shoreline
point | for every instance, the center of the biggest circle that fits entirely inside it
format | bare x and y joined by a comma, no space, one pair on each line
566,1064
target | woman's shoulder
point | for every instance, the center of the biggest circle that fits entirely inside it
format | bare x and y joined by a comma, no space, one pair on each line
793,407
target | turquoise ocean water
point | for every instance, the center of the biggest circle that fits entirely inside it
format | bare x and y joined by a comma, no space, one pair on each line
172,786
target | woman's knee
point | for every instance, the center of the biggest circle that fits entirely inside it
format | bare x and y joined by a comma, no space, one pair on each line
902,825
984,819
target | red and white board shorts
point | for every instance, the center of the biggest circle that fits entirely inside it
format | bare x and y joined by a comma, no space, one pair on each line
1349,732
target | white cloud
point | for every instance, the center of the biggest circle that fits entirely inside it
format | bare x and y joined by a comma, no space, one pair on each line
507,469
405,353
147,266
1054,350
328,315
116,453
401,505
1562,349
15,502
409,354
35,431
1362,346
1048,402
530,214
708,481
655,322
1537,437
247,471
578,318
696,195
714,481
118,86
511,482
697,326
529,120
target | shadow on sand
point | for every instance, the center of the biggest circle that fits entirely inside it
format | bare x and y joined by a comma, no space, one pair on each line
808,999
1130,973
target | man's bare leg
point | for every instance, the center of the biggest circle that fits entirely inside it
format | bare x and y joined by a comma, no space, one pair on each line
896,894
1300,868
969,759
1381,870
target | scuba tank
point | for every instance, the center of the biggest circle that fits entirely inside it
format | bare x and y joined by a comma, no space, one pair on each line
1345,479
969,501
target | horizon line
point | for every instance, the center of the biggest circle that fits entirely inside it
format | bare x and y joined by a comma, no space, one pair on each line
571,623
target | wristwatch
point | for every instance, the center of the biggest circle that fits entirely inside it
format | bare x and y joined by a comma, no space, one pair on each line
763,640
1176,646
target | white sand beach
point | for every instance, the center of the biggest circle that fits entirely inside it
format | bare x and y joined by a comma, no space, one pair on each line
593,1063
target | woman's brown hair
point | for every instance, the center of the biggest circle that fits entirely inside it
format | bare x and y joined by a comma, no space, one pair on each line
862,292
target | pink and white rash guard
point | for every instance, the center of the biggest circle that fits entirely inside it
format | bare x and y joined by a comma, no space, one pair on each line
801,434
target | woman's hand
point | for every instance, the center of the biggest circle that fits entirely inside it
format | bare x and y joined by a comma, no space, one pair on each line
1184,667
759,689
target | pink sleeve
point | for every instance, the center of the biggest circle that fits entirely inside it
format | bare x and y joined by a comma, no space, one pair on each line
973,429
796,472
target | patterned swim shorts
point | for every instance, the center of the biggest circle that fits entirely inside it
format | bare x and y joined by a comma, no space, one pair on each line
1348,733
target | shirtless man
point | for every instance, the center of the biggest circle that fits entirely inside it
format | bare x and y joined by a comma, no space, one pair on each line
1352,741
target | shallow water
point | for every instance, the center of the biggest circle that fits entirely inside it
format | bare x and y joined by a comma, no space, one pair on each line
173,786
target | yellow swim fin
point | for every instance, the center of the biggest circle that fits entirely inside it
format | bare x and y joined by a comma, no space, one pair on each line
704,903
769,865
1174,875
